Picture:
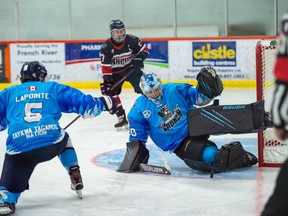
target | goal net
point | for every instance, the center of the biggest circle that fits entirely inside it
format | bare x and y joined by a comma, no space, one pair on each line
271,151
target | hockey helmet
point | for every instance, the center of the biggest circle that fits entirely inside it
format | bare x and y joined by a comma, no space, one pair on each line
151,86
33,71
117,31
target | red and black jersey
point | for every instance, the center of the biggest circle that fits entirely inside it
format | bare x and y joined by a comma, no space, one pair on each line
281,65
118,58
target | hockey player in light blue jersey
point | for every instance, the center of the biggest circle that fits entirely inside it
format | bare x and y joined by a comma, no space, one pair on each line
162,114
31,112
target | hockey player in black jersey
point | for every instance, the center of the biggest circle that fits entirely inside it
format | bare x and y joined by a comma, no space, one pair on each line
122,57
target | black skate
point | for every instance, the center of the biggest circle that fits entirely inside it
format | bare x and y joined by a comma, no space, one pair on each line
76,180
250,159
122,123
6,209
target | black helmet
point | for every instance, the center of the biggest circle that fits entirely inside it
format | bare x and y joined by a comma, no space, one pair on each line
117,24
33,71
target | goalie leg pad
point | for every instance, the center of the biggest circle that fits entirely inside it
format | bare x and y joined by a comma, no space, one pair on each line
136,153
232,156
234,119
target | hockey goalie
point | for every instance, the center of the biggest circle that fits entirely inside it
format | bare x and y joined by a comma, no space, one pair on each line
169,114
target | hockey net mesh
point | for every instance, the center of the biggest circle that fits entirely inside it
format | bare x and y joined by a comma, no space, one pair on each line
272,152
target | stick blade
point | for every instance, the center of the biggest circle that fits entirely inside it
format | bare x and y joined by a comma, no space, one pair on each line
154,169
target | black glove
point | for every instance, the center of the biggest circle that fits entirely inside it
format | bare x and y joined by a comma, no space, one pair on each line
110,104
137,64
106,88
138,60
209,83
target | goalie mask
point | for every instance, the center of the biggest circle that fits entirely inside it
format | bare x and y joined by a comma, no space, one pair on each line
151,86
33,71
117,31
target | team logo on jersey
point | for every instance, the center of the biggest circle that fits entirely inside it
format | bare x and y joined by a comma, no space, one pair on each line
171,117
121,59
32,88
147,113
165,112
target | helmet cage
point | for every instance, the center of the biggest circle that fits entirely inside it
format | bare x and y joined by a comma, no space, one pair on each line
117,27
151,86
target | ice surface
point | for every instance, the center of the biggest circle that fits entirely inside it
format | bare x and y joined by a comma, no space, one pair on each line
109,193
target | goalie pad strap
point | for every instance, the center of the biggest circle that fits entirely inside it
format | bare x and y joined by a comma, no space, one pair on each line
136,153
234,119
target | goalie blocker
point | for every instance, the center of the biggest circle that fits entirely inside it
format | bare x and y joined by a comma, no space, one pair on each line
136,153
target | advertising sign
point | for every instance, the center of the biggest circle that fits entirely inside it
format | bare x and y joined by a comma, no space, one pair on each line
51,55
82,62
3,71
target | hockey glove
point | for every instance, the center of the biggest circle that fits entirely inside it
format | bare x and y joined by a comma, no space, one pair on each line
137,64
209,83
106,89
110,104
139,59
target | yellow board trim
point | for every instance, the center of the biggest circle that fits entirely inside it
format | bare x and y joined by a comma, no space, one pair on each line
96,85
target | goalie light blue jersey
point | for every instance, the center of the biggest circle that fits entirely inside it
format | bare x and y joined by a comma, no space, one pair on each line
167,122
31,112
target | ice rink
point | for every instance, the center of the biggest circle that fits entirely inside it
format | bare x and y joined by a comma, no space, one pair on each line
109,193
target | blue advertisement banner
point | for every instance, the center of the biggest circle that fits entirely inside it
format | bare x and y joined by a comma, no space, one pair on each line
87,52
82,52
158,52
216,54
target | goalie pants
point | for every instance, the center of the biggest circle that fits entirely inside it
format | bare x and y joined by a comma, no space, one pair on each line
18,168
197,149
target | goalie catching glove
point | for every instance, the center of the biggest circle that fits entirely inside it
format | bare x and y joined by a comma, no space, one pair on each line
109,103
209,83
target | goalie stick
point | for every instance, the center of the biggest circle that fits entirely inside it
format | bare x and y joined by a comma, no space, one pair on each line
112,88
166,170
154,169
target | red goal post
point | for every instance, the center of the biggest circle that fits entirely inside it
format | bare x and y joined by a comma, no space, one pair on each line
271,151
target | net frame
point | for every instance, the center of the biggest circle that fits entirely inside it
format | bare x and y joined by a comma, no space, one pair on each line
271,151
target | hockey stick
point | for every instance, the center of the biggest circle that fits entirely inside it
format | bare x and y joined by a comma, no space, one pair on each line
154,169
166,170
75,119
112,88
123,78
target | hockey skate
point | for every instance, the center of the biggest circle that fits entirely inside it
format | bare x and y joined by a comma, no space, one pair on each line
122,123
76,180
6,209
